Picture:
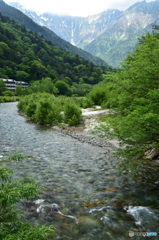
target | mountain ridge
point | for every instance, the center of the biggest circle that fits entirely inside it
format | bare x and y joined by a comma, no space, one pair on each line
123,37
68,26
22,19
105,35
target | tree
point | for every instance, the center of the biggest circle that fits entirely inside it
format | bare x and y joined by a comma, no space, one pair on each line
46,85
2,87
63,88
22,76
8,93
18,90
135,98
72,113
13,224
38,70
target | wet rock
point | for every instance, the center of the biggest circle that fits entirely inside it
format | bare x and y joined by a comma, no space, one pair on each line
155,163
109,178
106,220
151,153
91,180
110,190
39,201
55,216
47,208
32,216
85,220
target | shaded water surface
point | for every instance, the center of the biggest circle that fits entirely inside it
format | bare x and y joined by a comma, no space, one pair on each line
84,199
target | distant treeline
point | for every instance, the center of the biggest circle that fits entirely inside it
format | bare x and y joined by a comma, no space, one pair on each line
25,56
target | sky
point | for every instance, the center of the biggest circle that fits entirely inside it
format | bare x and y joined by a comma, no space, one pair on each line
81,8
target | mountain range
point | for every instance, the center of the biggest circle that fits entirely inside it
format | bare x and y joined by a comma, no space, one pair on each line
48,34
109,35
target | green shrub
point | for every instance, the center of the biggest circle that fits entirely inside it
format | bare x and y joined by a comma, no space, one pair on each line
22,104
47,113
72,113
8,99
30,109
8,93
1,100
46,109
135,100
13,224
87,102
97,96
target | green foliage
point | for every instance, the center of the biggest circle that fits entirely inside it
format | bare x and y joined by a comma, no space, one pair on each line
22,104
30,108
22,76
41,108
72,113
81,89
97,96
47,113
45,85
13,224
135,99
63,88
25,56
87,102
8,93
8,99
18,90
2,87
45,109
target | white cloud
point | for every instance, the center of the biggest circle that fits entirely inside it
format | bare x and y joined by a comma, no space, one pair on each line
75,8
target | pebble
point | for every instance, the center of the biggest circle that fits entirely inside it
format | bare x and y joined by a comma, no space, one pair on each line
86,138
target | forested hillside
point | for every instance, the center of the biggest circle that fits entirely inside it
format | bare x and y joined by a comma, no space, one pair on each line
22,19
26,56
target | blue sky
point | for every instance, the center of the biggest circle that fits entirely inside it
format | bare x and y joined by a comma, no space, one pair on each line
75,7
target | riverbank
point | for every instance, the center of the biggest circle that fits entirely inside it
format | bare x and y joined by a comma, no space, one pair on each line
84,132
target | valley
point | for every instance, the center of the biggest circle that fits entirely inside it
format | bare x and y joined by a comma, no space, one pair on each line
109,35
79,145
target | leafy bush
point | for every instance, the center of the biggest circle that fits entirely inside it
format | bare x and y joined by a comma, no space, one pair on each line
1,100
87,102
9,99
30,109
97,96
135,99
8,93
13,224
47,113
63,88
72,113
46,109
22,104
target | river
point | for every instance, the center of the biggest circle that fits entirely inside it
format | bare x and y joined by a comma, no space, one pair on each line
85,198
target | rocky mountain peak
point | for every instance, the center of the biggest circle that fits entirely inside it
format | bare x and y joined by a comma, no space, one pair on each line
108,35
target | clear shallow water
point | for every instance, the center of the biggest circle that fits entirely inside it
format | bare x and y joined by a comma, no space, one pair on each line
85,199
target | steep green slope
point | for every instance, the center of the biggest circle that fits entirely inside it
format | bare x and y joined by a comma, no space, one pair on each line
26,56
22,19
